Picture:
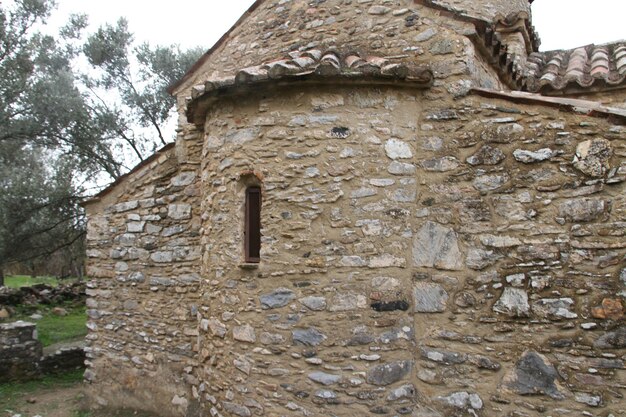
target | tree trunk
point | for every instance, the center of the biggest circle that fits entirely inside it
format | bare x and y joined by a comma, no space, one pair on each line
1,276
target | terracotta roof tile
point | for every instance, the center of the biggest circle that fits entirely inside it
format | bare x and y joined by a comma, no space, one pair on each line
510,61
316,63
584,68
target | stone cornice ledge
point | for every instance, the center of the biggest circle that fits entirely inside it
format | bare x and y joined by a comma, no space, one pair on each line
587,107
310,67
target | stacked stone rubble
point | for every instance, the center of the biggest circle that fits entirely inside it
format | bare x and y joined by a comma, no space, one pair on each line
20,352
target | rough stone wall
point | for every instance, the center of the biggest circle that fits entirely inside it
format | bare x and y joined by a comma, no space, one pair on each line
424,253
421,256
486,10
144,261
20,352
387,28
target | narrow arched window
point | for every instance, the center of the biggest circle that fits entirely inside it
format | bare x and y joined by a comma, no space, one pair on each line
253,225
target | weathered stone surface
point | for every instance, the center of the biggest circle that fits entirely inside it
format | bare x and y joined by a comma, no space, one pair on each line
499,241
592,157
183,179
487,155
241,136
443,356
484,362
505,133
314,303
378,10
534,375
308,337
327,101
436,246
425,35
444,164
389,373
429,298
324,378
326,394
529,157
513,302
385,283
588,399
462,400
20,352
611,309
386,260
612,340
179,211
267,338
493,182
280,297
442,47
397,149
244,333
363,192
125,206
432,143
555,308
401,168
347,302
480,259
582,210
237,409
217,327
407,391
516,280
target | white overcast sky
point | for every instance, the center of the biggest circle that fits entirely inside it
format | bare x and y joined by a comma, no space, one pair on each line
560,23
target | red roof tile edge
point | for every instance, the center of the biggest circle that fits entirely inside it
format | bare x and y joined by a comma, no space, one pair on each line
598,66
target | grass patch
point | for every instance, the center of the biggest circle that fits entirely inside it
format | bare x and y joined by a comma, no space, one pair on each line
52,329
19,281
55,329
11,393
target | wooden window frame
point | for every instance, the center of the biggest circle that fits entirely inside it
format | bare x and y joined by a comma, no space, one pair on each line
252,225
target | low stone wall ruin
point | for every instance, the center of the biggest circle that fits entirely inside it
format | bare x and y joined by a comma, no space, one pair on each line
22,358
20,351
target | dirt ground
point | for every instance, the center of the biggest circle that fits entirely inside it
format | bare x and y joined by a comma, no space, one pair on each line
61,402
64,401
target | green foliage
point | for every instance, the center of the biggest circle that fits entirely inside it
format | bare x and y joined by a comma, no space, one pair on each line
61,128
41,112
144,101
54,329
19,281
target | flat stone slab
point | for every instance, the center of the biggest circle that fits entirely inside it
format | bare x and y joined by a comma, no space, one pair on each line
389,373
280,297
534,375
437,246
429,298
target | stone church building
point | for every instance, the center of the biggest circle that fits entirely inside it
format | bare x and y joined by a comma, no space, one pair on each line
373,207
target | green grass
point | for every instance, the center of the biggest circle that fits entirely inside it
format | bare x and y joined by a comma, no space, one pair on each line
51,328
55,329
18,281
10,393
